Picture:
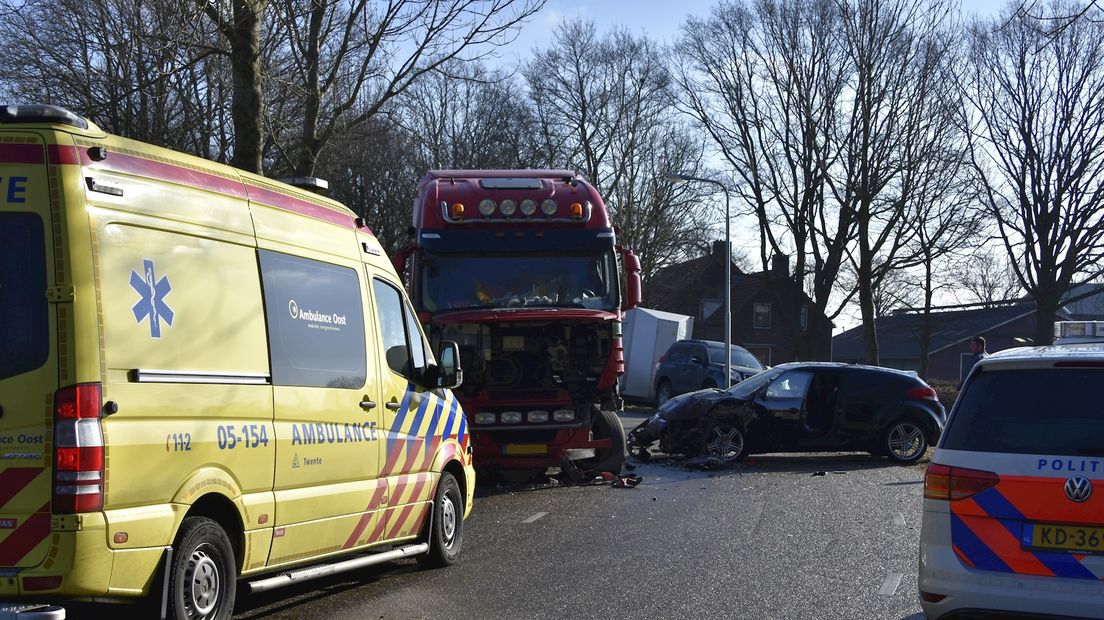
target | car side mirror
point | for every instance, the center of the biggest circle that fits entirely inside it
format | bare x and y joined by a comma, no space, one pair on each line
697,360
448,372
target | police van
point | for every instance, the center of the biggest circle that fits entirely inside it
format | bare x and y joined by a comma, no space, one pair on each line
205,376
1013,516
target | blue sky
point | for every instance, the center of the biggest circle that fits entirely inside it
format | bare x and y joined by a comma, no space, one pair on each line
659,19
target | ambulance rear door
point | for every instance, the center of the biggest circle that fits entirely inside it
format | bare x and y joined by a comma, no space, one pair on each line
31,301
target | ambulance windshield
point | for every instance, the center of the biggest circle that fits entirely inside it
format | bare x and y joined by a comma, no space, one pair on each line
455,281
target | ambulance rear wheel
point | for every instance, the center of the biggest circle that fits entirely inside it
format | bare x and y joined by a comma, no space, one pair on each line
203,580
446,529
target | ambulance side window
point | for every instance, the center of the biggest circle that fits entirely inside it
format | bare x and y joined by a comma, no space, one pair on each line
402,344
315,322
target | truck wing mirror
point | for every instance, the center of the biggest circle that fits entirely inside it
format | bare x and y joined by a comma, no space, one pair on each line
632,279
449,374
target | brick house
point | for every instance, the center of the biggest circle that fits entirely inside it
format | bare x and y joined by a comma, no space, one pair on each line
763,304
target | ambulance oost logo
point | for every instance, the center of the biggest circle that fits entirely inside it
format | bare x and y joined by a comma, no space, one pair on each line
1079,488
152,292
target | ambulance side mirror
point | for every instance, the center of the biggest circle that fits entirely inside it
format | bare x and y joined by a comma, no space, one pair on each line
448,372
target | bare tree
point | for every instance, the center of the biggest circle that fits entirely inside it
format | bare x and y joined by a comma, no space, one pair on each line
900,135
373,170
347,59
985,277
603,105
467,116
766,82
136,67
1038,105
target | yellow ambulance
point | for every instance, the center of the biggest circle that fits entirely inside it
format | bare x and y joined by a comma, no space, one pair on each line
205,376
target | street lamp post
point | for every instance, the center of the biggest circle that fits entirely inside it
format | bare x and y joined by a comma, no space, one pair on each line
727,297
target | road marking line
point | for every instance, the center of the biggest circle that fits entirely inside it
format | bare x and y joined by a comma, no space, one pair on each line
898,519
889,585
534,517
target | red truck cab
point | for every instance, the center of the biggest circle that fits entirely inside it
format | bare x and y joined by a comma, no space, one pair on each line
522,269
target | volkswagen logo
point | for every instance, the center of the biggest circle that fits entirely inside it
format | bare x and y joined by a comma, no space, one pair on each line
1078,488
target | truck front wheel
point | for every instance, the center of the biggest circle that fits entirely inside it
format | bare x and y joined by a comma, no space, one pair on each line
606,425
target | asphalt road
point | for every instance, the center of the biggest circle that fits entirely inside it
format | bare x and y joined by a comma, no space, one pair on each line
766,539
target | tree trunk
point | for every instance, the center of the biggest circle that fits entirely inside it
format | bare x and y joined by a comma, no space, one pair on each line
247,108
309,150
925,322
1046,312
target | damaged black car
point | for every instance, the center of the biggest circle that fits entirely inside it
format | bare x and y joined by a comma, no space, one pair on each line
801,407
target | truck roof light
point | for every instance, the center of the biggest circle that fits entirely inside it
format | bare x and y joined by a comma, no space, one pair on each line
528,207
549,207
486,207
507,207
576,210
458,211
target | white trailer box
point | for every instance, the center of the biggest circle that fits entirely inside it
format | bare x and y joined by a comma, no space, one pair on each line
646,336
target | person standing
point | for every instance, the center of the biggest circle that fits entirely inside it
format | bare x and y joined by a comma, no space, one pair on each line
977,353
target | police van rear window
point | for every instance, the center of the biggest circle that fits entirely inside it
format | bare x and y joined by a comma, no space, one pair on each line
24,314
1030,411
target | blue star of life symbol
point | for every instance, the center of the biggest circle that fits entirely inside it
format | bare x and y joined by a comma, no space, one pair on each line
152,304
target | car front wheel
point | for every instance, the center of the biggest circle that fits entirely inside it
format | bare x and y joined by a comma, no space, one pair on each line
904,441
725,441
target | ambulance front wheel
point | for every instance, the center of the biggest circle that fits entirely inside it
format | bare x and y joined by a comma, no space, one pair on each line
203,581
446,528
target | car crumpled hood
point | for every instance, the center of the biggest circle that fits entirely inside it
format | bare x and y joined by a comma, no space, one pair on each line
692,404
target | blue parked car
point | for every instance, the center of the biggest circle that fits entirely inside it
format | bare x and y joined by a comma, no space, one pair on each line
690,365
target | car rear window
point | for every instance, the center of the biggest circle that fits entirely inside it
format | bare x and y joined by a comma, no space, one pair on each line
1030,411
24,317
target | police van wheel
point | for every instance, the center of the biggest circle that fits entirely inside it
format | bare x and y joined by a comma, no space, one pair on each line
446,531
203,581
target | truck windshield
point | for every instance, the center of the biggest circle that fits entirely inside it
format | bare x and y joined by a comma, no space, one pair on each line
456,281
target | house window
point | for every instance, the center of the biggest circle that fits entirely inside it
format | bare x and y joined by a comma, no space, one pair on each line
761,352
708,307
804,317
761,316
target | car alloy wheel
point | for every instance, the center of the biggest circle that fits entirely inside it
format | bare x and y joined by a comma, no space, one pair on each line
725,442
906,442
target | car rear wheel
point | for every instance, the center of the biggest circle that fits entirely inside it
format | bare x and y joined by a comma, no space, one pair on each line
663,392
725,441
904,441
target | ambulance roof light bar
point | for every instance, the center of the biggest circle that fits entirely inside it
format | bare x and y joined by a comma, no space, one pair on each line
37,113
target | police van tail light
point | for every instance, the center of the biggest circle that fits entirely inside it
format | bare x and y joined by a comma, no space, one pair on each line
955,483
78,449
